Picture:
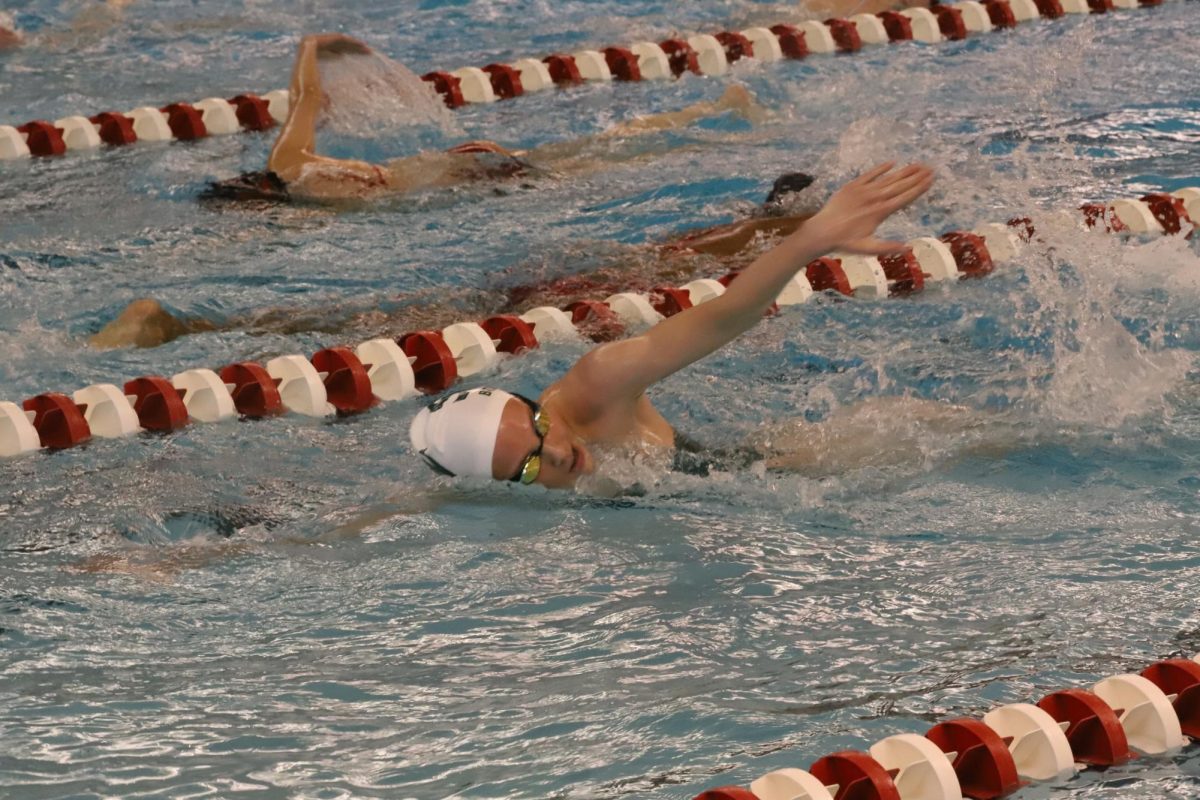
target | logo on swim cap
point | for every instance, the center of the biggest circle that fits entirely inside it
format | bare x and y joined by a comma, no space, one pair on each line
456,434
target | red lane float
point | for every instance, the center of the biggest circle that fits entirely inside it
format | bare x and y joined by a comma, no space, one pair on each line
970,253
984,767
115,129
253,112
44,139
950,22
57,420
736,45
622,63
514,334
1181,678
727,793
680,56
857,776
669,301
448,86
506,81
563,69
1094,731
845,34
347,385
1170,213
158,405
1000,13
903,272
898,26
185,120
434,369
1050,9
596,320
255,393
827,273
791,41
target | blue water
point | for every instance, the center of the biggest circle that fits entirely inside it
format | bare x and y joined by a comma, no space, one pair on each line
252,635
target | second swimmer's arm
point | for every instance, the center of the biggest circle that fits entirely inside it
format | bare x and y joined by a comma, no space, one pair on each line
620,372
296,145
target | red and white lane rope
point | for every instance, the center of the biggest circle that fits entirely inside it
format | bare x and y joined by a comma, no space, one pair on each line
341,380
704,54
1154,713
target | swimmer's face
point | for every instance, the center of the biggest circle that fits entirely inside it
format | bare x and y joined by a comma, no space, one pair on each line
564,456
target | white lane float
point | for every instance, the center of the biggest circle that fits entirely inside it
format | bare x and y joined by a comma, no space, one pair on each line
791,784
633,309
1024,10
702,290
150,124
975,16
220,117
78,133
475,85
473,349
17,434
535,76
818,37
206,397
592,65
1136,216
765,44
278,103
653,63
1037,742
870,29
301,387
389,369
925,27
12,143
710,54
1150,722
935,258
550,323
108,411
1002,243
866,276
923,771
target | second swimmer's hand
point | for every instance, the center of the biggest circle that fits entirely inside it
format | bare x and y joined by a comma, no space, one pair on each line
848,220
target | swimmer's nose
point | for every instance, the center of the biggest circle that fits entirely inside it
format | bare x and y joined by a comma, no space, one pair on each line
559,454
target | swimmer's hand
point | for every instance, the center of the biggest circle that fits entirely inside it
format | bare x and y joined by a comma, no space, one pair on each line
338,44
848,220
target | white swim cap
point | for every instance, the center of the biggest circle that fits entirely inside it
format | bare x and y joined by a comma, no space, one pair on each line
457,434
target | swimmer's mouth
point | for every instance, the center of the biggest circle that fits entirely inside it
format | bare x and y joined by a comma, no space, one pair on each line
576,459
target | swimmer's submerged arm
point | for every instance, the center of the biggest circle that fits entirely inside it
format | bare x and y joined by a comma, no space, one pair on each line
622,371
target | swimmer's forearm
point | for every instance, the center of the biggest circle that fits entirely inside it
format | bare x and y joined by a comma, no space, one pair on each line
306,78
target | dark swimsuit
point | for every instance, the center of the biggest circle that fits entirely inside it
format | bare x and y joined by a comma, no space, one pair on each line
693,458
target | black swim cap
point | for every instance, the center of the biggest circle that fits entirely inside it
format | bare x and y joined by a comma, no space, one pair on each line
261,185
788,183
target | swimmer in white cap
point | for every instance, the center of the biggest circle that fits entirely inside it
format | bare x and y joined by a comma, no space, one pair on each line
601,400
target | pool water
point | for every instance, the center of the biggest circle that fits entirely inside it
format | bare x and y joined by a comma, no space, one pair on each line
298,608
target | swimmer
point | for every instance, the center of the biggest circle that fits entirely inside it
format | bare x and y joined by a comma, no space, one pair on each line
9,35
296,171
146,323
600,405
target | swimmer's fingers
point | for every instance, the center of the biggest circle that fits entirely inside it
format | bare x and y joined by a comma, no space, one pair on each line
902,193
872,174
871,246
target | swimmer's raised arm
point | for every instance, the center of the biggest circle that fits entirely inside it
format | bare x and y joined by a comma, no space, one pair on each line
296,145
621,371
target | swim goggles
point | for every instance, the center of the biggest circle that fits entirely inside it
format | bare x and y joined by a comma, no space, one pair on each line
531,467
